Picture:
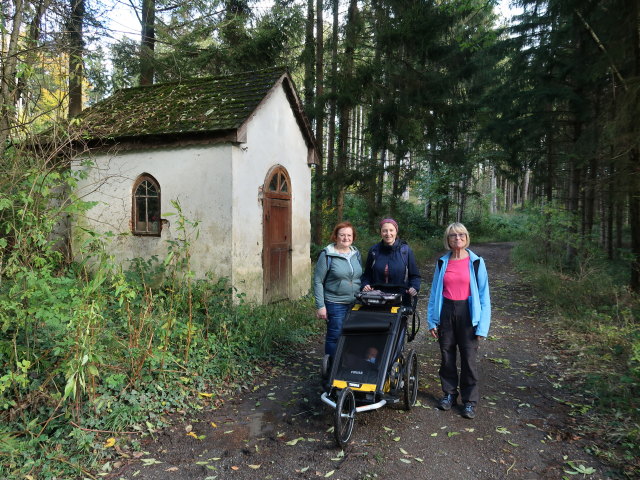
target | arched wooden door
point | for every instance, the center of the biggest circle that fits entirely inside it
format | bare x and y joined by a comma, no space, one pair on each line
276,257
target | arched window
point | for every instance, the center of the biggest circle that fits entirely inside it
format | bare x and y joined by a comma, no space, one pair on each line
146,206
279,182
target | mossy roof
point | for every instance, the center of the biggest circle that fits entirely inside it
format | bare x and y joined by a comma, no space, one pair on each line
203,105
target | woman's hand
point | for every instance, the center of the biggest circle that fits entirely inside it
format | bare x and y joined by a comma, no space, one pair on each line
321,313
434,332
412,291
367,288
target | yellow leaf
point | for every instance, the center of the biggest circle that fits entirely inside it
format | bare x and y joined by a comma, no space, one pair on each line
255,467
110,442
207,395
191,434
214,425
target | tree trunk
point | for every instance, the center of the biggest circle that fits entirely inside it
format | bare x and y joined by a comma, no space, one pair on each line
494,191
76,56
525,186
308,60
332,102
380,180
147,42
345,105
32,55
634,158
319,115
463,198
9,72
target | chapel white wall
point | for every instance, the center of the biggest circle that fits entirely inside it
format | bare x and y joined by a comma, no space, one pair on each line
273,138
196,177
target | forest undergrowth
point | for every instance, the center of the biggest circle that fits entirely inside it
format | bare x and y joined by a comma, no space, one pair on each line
596,329
91,349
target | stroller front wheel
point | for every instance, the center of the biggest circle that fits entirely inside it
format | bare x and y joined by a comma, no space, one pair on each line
344,416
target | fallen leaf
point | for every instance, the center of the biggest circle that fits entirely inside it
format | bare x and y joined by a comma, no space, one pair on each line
172,469
235,468
214,425
192,434
255,467
293,442
110,442
328,474
396,439
405,460
404,451
206,395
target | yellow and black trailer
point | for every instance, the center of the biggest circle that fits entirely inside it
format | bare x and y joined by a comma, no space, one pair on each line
371,367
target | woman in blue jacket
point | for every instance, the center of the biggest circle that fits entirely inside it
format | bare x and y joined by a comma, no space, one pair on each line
391,261
459,314
336,280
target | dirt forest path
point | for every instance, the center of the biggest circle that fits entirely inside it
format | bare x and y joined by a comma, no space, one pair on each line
281,429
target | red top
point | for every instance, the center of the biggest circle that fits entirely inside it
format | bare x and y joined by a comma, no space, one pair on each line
456,280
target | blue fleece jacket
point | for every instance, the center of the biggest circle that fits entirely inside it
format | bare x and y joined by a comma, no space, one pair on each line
479,301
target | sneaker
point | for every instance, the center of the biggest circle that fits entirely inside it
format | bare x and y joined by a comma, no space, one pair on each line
447,401
469,410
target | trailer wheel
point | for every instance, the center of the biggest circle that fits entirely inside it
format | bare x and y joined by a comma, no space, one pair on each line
410,380
344,416
326,365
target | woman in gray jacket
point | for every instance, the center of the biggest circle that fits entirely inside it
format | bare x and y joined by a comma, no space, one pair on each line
336,281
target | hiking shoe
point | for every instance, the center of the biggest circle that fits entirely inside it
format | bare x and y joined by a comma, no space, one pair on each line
469,410
447,401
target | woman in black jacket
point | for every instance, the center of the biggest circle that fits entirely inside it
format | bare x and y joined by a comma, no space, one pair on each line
392,262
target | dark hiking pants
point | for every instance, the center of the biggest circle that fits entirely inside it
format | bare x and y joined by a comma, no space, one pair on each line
456,332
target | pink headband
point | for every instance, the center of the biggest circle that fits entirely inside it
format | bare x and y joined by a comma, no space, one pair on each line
389,220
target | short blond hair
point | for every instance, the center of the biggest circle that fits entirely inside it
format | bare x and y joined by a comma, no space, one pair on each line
456,227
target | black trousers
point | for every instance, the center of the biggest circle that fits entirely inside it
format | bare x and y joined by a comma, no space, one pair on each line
456,332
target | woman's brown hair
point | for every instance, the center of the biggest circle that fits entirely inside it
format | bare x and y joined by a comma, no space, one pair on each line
338,227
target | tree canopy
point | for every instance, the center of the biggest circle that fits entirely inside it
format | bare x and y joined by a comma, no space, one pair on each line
440,103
